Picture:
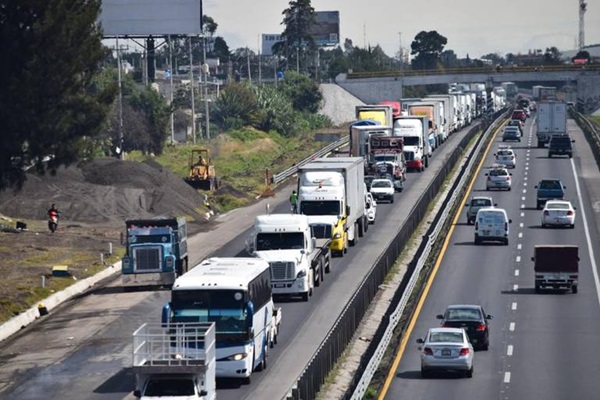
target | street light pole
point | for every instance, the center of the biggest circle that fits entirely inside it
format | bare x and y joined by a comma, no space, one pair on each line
192,88
205,70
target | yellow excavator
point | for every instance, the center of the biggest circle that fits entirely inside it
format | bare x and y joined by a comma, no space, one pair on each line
202,171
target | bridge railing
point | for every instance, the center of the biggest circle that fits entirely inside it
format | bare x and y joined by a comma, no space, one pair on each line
473,70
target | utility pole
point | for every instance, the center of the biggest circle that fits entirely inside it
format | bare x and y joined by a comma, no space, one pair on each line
248,61
172,71
582,10
120,148
192,88
206,71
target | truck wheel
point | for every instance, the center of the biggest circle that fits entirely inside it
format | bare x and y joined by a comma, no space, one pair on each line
319,277
540,145
366,224
353,242
361,228
305,296
574,289
322,269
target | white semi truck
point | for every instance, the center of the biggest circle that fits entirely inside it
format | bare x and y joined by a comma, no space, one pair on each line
334,187
298,260
414,131
168,364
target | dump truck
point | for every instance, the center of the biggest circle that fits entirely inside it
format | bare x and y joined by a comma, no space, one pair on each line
175,361
556,267
202,173
155,251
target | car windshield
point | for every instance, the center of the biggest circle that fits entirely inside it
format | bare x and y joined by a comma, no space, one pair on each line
463,314
505,153
557,206
550,185
446,337
381,184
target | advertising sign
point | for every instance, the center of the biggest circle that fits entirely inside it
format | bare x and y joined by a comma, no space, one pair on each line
326,30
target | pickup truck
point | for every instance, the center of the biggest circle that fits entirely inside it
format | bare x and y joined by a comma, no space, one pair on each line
549,189
556,266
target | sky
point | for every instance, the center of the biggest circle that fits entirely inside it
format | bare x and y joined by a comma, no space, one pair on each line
473,27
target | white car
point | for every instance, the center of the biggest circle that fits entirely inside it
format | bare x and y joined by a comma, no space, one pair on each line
446,349
558,213
498,178
506,156
383,189
371,206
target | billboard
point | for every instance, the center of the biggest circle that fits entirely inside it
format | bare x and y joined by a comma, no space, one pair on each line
268,40
326,31
143,18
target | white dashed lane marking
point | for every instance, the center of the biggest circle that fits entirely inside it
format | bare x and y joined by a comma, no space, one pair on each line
516,270
507,377
509,350
513,306
511,326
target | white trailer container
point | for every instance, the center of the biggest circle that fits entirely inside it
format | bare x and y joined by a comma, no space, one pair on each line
551,120
452,110
335,186
168,363
414,131
359,139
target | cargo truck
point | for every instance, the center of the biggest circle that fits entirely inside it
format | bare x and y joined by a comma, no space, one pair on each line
387,158
551,120
451,109
414,131
156,251
433,110
556,266
297,259
175,361
384,114
359,139
334,188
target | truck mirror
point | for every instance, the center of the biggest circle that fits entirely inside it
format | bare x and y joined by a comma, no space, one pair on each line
166,315
510,221
347,210
467,205
313,242
137,393
250,245
532,258
249,314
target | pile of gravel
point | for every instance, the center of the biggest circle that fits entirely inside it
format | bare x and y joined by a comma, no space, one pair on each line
105,190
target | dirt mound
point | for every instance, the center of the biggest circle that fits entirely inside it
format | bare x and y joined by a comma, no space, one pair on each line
105,191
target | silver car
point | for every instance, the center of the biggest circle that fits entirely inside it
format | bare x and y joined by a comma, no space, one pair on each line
475,204
446,349
498,178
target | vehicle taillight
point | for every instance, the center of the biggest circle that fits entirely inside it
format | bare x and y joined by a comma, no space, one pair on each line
481,327
508,178
546,213
427,351
464,351
570,212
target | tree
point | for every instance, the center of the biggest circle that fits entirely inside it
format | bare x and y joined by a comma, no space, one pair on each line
51,51
552,56
427,48
298,20
303,92
220,50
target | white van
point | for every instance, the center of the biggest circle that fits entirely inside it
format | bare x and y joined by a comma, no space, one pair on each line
491,224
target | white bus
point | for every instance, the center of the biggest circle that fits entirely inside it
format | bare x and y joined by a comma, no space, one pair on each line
235,294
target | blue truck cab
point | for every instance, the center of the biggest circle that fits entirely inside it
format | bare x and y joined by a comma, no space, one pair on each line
155,252
549,189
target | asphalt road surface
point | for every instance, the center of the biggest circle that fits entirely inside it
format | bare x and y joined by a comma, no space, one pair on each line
542,346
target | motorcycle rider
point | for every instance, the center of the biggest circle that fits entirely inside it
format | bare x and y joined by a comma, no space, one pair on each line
53,217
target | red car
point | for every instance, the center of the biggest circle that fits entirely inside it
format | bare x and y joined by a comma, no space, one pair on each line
519,114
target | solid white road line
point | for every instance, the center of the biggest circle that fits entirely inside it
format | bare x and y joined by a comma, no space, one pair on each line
587,233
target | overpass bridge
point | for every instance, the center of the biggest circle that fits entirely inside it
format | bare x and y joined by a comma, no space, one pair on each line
372,87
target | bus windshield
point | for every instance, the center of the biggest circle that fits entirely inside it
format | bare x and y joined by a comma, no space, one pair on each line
223,307
320,207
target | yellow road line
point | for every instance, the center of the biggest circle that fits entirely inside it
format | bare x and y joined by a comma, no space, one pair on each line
413,321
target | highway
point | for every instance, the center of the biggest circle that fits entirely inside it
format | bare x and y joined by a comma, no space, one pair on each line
541,345
84,349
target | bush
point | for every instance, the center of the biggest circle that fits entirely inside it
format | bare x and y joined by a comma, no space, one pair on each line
235,107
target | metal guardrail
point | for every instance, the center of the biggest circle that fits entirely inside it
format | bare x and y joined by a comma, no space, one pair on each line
590,132
321,153
333,345
396,315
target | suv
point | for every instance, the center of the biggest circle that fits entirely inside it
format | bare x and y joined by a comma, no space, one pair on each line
560,145
549,189
476,203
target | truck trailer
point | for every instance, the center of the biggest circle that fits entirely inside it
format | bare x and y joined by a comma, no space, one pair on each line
551,120
556,267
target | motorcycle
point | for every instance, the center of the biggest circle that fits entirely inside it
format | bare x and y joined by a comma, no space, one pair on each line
52,223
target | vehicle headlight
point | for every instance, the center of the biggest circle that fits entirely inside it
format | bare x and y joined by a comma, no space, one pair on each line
169,262
337,235
301,274
234,357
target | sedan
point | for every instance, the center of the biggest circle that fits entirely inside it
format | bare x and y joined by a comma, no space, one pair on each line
511,133
383,189
506,156
472,319
446,349
558,213
498,178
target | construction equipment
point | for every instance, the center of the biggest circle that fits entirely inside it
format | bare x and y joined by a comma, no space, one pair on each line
202,171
